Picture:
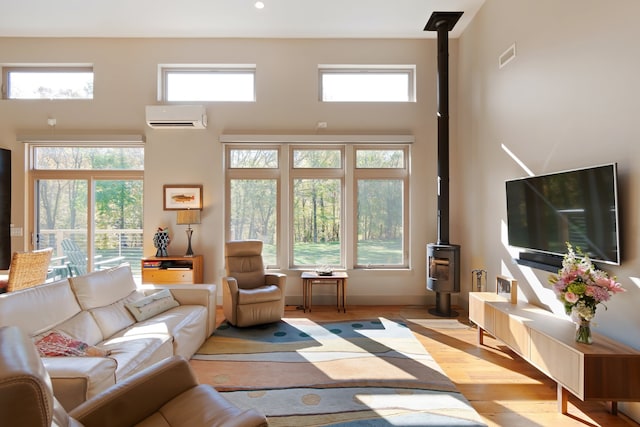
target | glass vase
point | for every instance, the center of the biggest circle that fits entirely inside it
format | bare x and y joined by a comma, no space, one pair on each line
583,332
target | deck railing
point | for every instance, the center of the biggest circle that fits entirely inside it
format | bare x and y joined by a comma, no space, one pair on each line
126,243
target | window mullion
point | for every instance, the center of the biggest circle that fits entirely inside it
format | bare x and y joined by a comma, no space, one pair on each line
285,245
349,232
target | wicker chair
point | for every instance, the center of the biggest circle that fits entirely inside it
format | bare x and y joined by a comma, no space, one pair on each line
27,269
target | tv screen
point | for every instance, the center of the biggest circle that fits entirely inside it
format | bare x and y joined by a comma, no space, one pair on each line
5,208
579,207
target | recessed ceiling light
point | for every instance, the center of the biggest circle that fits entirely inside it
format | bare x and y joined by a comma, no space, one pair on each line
259,5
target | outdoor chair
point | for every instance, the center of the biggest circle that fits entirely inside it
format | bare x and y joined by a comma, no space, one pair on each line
27,269
77,259
250,296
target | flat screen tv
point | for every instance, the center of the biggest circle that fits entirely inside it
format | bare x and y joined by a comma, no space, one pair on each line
5,208
578,206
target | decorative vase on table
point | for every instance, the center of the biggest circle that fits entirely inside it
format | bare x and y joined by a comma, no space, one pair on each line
161,241
580,286
583,331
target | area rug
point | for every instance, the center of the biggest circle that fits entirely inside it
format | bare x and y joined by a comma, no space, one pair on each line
358,373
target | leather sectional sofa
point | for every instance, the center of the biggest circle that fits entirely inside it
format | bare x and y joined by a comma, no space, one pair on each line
95,330
165,394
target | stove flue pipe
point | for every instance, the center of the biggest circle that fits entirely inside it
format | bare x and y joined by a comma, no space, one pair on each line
443,22
443,132
443,259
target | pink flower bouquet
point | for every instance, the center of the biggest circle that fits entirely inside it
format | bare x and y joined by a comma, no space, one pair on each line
581,286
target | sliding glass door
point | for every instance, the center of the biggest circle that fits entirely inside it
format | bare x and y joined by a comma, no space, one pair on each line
92,218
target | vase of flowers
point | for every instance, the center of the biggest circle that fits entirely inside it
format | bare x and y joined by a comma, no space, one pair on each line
581,287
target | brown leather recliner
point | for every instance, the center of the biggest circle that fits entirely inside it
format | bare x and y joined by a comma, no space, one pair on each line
250,296
165,394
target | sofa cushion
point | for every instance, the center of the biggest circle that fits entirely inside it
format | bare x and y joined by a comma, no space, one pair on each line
31,309
75,379
244,262
187,324
103,287
82,326
151,305
133,353
262,294
206,407
56,344
115,317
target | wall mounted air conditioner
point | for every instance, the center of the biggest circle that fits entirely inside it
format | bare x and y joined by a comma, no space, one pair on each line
176,116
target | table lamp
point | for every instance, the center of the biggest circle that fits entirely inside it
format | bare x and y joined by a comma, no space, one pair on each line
188,217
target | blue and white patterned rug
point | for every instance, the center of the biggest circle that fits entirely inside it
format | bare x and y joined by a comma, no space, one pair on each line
357,373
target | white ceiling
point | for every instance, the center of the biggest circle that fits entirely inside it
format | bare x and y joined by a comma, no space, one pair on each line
228,18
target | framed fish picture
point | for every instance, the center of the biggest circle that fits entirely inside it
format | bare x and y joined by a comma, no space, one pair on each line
179,197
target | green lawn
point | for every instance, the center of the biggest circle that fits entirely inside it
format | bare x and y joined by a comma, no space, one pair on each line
388,252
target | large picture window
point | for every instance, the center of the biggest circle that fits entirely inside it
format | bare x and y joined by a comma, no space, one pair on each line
381,175
380,222
343,205
253,182
253,213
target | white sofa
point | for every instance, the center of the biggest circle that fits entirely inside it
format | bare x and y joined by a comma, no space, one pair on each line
92,309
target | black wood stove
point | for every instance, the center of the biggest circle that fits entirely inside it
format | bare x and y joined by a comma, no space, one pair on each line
443,258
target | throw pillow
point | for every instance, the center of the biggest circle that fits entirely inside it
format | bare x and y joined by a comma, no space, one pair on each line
55,343
151,305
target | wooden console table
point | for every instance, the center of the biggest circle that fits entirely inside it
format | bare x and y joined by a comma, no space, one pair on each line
172,269
338,278
605,370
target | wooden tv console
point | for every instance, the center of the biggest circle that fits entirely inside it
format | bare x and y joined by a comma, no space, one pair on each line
605,370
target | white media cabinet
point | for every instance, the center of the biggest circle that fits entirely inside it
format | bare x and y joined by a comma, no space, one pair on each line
605,370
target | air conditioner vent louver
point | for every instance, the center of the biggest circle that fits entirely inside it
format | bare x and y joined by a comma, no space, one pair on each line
176,116
172,124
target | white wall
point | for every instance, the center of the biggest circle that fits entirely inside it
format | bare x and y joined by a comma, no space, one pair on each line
569,99
287,102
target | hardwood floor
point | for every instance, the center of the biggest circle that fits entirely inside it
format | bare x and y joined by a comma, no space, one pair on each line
503,388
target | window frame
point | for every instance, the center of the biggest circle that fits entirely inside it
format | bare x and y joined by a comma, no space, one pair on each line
266,173
349,176
368,173
44,68
165,69
317,173
409,70
91,176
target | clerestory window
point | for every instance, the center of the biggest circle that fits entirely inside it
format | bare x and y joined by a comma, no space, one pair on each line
357,83
215,83
47,82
